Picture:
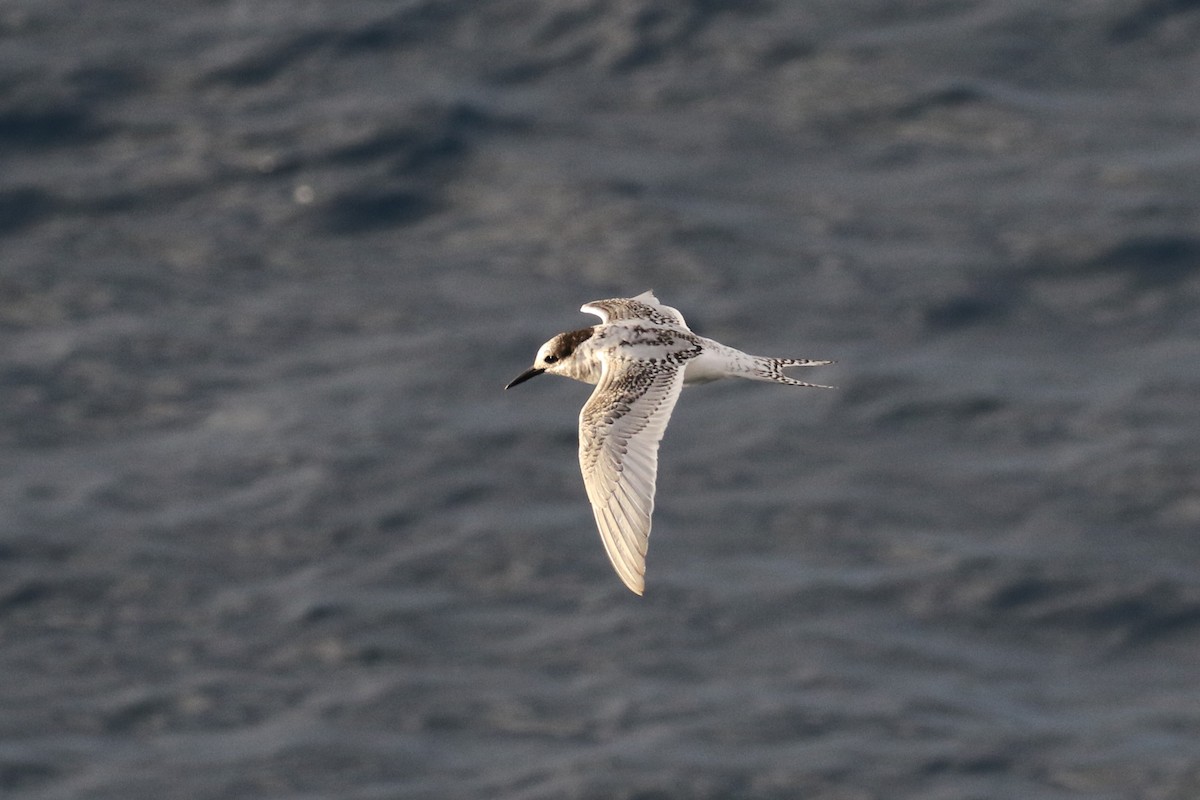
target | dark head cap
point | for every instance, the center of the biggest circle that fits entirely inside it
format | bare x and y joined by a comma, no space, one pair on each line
555,351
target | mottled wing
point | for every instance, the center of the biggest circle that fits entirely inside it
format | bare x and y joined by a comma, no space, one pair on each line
619,431
643,307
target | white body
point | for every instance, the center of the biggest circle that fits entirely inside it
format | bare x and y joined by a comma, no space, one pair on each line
639,356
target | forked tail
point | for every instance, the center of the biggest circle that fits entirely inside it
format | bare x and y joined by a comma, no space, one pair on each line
771,369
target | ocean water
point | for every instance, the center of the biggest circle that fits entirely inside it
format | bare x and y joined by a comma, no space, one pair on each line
270,528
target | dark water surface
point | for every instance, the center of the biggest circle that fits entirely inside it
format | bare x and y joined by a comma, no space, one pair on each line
269,528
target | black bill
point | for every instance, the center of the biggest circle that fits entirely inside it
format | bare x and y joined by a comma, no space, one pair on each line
532,372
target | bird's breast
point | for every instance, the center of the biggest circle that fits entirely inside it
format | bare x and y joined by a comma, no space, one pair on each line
583,366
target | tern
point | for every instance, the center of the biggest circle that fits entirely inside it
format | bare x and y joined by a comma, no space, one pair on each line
639,357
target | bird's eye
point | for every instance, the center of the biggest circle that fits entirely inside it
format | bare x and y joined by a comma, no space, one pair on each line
550,359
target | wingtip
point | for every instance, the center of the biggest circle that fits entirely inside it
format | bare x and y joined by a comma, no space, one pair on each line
634,581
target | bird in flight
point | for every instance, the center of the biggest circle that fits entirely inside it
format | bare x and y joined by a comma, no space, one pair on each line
640,357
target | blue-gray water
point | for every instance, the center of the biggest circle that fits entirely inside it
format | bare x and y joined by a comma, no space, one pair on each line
269,528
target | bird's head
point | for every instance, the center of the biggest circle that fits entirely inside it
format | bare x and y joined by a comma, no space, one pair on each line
557,357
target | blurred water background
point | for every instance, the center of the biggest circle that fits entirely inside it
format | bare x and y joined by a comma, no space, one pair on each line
269,528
